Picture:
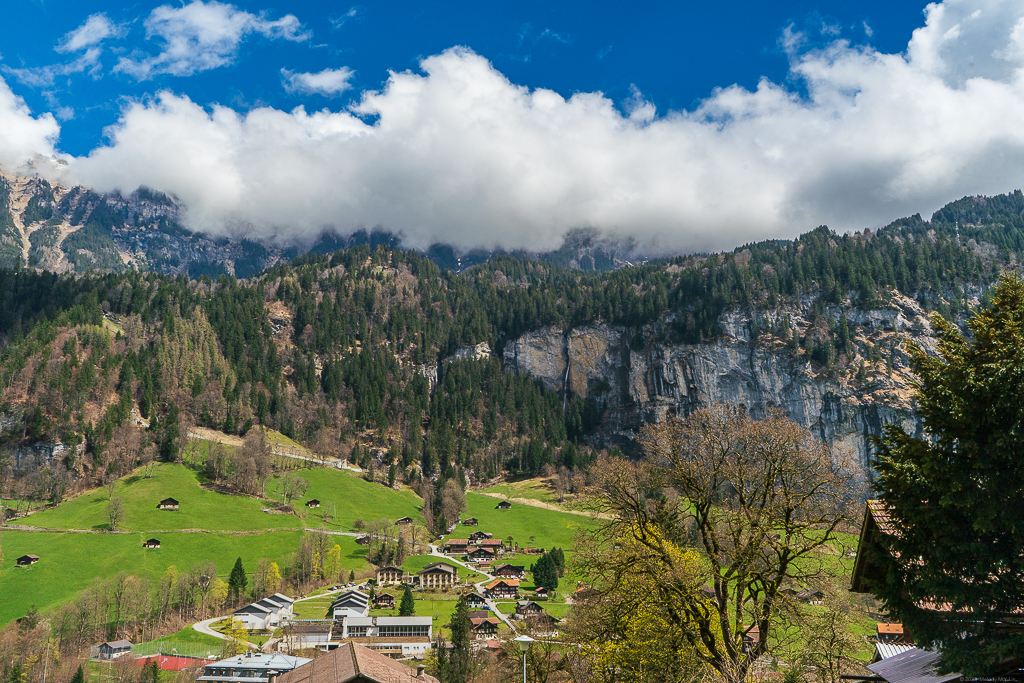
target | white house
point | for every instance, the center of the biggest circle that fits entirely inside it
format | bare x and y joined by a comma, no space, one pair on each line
393,636
301,635
351,603
254,617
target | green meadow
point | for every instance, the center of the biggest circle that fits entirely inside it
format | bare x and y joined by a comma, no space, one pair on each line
528,526
199,508
354,497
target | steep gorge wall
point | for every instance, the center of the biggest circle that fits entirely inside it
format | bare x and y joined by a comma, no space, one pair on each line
638,382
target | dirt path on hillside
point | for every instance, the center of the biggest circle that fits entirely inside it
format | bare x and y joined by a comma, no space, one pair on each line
547,506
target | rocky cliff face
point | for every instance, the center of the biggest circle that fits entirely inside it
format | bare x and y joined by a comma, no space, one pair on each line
637,379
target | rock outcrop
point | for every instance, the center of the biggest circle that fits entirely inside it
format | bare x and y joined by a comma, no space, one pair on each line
639,378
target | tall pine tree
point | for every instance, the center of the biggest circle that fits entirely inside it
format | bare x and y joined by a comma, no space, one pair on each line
407,608
955,494
238,581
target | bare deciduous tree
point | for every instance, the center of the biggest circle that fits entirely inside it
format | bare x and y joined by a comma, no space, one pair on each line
759,500
115,512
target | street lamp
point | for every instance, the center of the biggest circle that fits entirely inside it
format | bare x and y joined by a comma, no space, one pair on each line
523,643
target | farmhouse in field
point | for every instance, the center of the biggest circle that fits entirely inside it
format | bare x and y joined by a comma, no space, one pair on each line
479,535
168,504
152,543
527,608
480,555
313,503
484,627
250,667
113,649
503,505
510,571
503,589
472,521
26,560
403,521
455,546
438,575
354,663
383,601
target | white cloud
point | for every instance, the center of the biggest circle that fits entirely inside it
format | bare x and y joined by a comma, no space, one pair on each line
203,35
46,76
94,31
352,13
458,153
328,82
23,137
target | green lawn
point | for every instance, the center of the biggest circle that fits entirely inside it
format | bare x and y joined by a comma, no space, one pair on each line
354,497
189,635
200,508
546,528
71,562
312,609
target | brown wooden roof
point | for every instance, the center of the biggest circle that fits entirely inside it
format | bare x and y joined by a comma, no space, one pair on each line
353,662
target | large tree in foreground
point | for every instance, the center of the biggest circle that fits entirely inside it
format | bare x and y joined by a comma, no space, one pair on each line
954,571
723,514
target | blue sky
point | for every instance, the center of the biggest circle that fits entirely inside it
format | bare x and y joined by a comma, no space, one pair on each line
675,53
684,126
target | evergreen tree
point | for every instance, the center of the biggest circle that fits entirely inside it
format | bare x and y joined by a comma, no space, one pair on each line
238,581
407,608
79,676
460,663
955,494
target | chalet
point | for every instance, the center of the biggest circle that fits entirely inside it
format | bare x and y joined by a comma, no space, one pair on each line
383,601
510,571
152,543
455,546
363,540
475,601
167,504
403,521
478,613
308,635
527,608
495,544
438,575
503,505
26,560
751,638
251,667
543,624
483,628
114,649
503,589
389,575
479,536
354,663
888,632
541,593
583,592
472,521
480,555
313,503
876,524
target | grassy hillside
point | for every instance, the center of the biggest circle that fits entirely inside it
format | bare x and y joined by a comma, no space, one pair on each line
531,526
200,508
354,497
70,562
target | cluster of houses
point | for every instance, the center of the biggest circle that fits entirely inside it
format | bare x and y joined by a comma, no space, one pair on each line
266,614
350,622
349,663
480,547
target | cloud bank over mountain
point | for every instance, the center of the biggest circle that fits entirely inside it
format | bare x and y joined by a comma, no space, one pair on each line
457,153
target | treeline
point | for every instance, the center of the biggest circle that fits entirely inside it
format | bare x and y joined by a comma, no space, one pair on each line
352,352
